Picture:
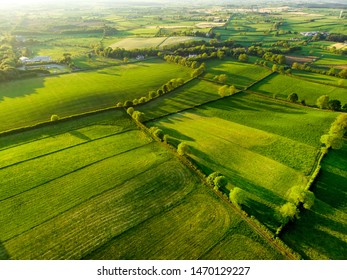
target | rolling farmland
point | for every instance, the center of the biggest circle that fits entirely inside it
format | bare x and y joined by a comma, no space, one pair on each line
257,145
90,188
31,101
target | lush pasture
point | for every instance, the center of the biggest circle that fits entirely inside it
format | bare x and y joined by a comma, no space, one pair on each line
192,94
26,102
282,86
315,77
259,145
327,219
238,73
100,195
138,43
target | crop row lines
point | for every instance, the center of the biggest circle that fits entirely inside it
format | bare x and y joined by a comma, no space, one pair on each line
92,197
67,148
76,170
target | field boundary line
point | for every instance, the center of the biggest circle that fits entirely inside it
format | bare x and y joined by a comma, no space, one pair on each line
76,170
77,205
67,148
317,82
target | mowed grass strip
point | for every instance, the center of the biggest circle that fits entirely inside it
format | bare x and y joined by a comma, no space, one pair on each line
192,94
30,101
282,86
29,174
327,219
27,210
190,220
136,192
238,73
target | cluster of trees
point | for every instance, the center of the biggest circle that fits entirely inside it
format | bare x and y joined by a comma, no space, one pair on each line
136,115
226,90
8,59
276,58
121,53
299,196
167,87
257,50
334,138
217,180
324,102
184,61
198,71
331,72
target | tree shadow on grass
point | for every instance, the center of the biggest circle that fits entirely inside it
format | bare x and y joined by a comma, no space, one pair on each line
308,232
27,87
80,135
4,255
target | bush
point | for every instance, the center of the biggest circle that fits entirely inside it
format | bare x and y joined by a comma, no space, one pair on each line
119,104
143,100
54,118
212,177
220,182
334,105
322,101
130,111
153,94
182,149
138,116
128,103
293,97
288,212
237,197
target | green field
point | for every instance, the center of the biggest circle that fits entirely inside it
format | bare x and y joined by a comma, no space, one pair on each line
282,86
192,94
314,77
327,219
262,146
26,102
238,73
100,195
138,43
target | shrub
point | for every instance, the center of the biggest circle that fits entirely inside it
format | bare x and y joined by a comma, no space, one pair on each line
334,105
128,103
322,101
237,197
138,116
182,149
54,118
212,176
143,100
153,94
119,104
130,111
288,212
293,97
220,182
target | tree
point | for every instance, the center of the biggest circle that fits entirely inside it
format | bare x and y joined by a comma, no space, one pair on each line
243,57
130,111
220,182
299,194
138,116
293,97
152,94
274,68
182,149
119,104
128,103
322,101
54,118
222,78
237,197
344,107
158,133
334,105
288,212
212,176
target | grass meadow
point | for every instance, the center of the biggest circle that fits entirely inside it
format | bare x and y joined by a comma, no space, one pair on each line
30,101
238,73
258,144
100,195
192,94
281,86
